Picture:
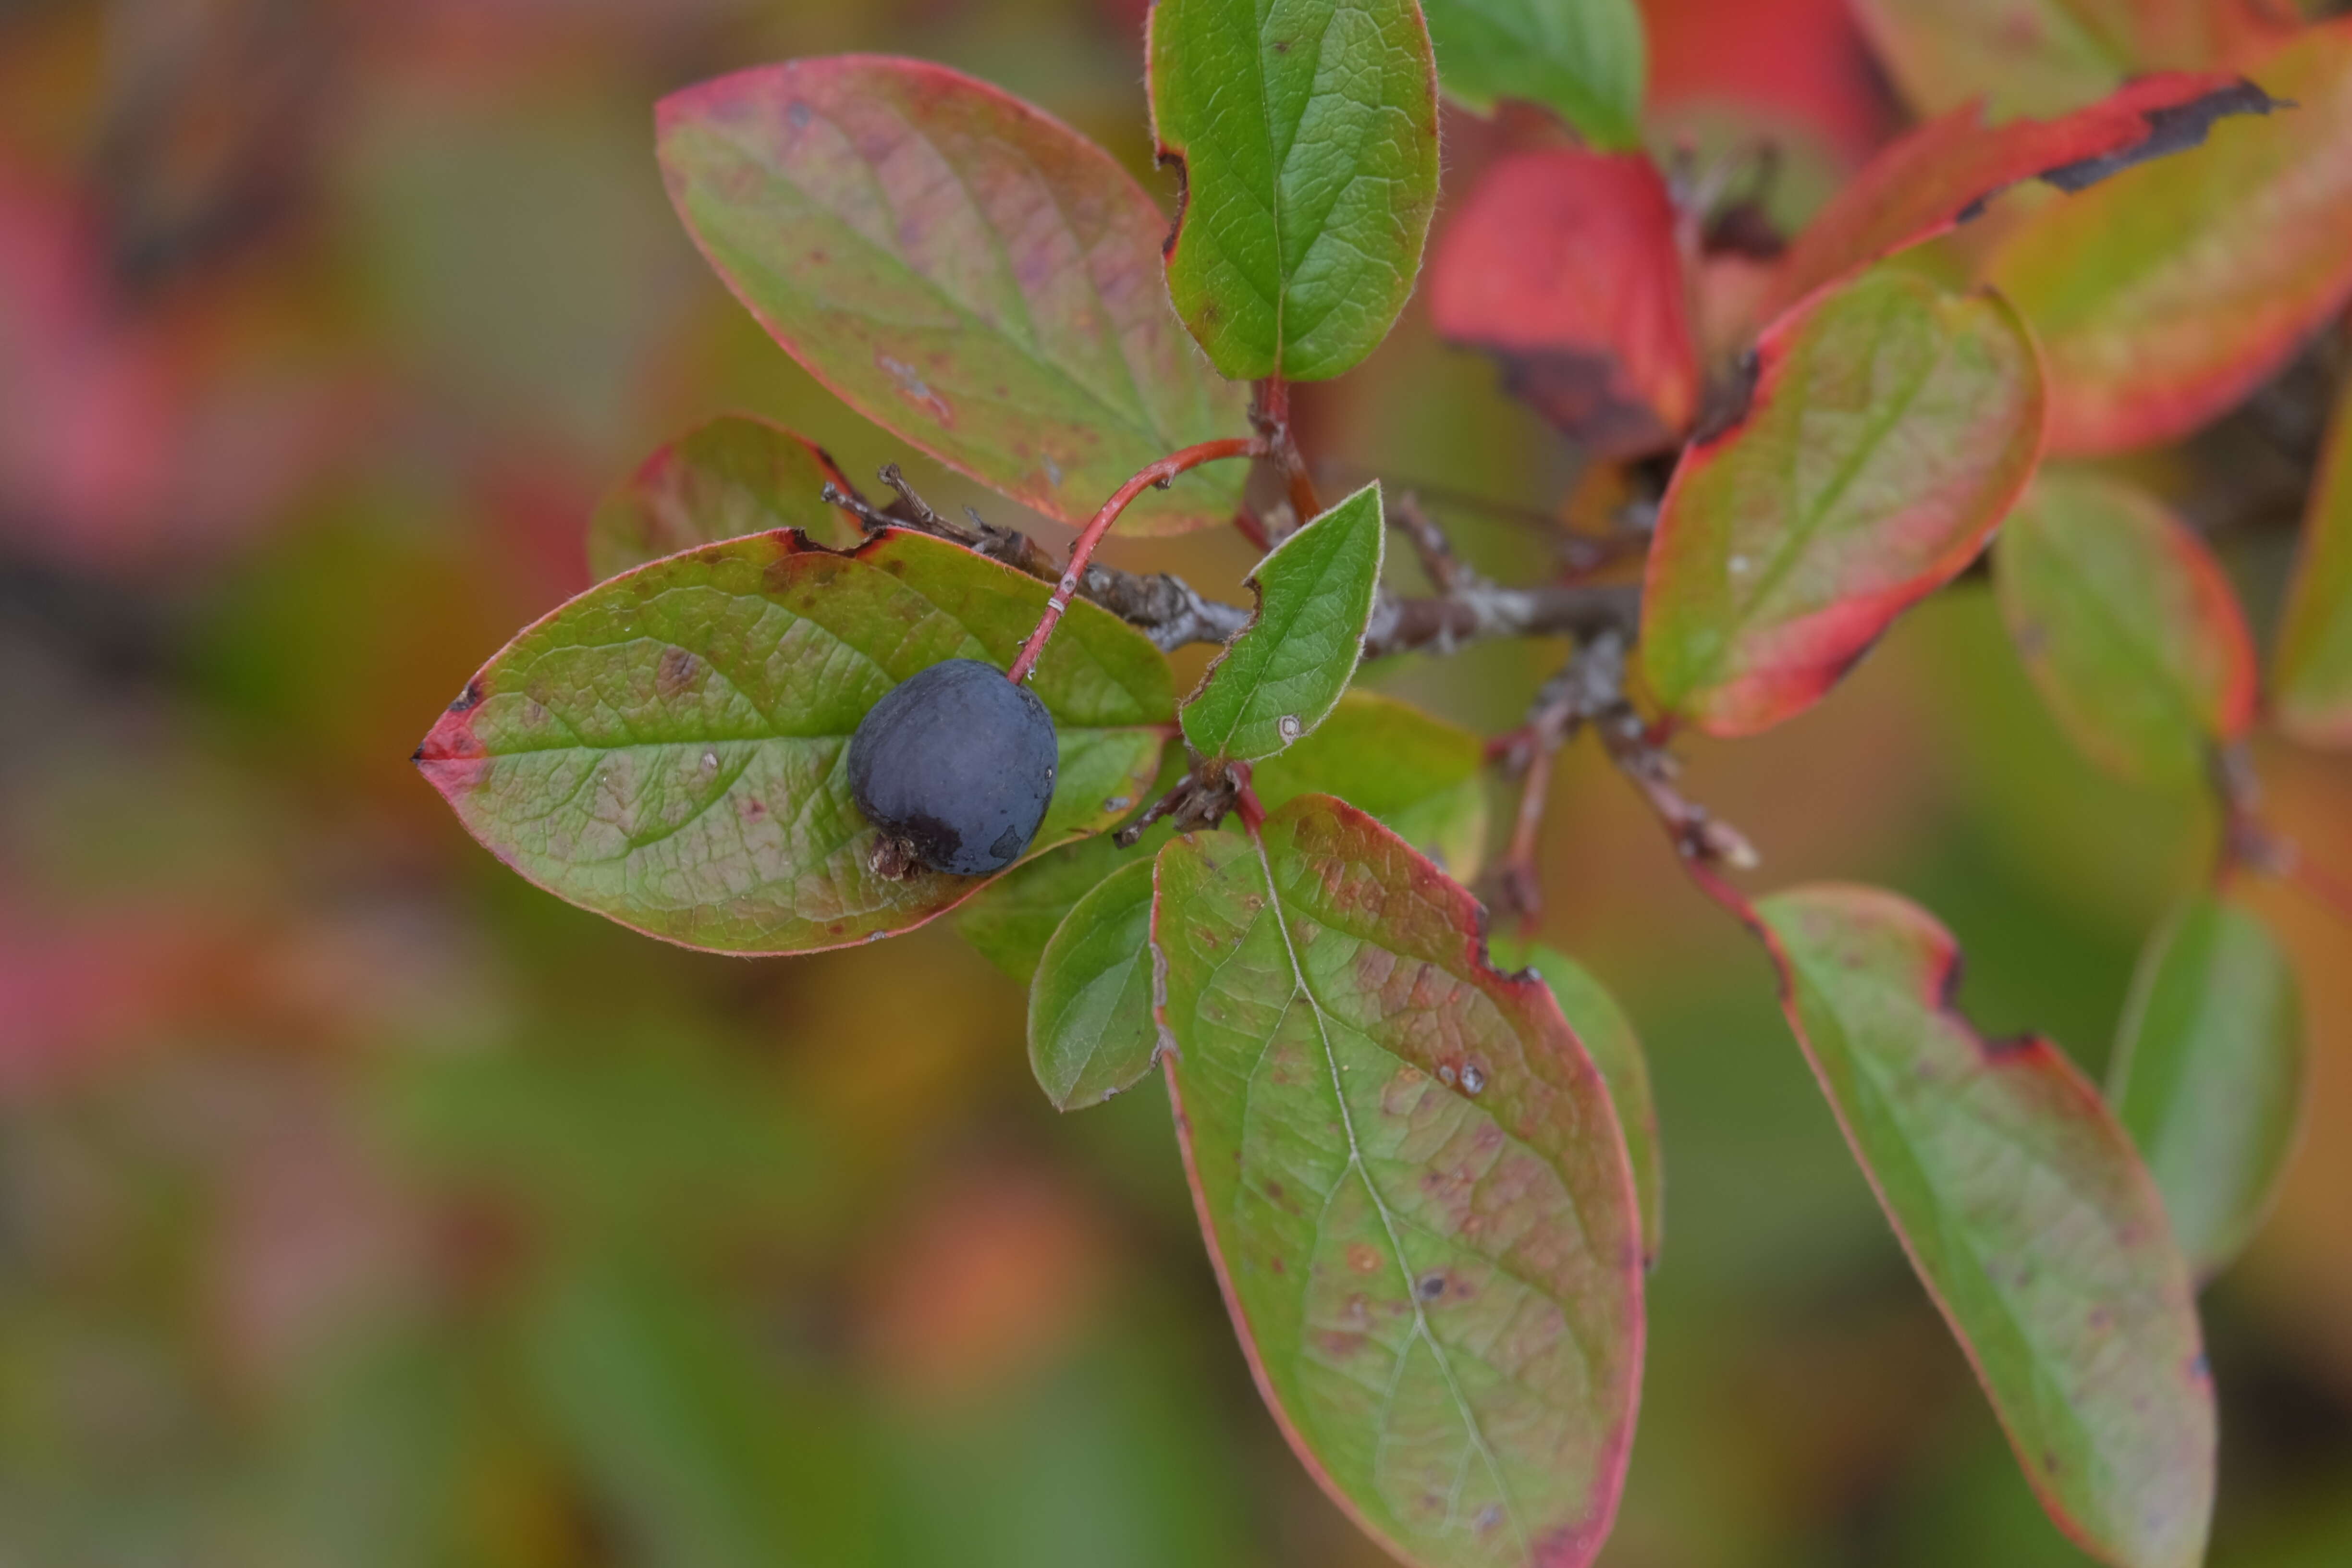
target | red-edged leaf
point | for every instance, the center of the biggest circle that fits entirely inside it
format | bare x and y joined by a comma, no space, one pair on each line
2026,1212
960,268
1891,427
669,749
1942,174
2312,676
1563,266
2166,295
2127,625
2048,57
1413,1187
724,480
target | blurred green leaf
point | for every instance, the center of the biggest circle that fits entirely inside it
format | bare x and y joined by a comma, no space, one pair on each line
1284,673
668,749
2026,1211
2127,626
961,269
731,477
1890,425
1583,59
1417,1193
2208,1075
1306,131
2312,674
1091,1033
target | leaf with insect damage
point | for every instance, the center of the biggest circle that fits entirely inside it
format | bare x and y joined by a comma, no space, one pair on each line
1582,59
1307,134
2127,626
731,477
2208,1074
669,749
2164,297
1890,425
1091,1033
1282,675
2311,676
1413,1187
2050,57
2028,1215
1942,173
964,271
1563,266
1609,1038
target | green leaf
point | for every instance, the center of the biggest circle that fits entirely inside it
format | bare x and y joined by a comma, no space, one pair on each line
1284,674
1890,425
1011,921
1415,1191
965,271
2208,1074
1306,133
2163,297
1420,775
2029,1216
1091,1033
2311,671
1608,1037
1580,58
2127,626
731,477
669,749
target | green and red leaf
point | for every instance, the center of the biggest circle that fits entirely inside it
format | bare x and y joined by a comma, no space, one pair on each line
1582,59
1420,775
2311,676
2127,626
1307,134
2167,295
2028,1215
1890,425
1091,1032
2208,1075
1562,265
1942,174
960,268
732,477
1413,1187
669,749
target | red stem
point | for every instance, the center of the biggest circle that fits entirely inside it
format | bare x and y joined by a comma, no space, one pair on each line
1274,405
1245,799
1082,550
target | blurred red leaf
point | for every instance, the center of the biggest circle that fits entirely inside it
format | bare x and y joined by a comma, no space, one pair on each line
1802,58
1941,175
1562,265
724,479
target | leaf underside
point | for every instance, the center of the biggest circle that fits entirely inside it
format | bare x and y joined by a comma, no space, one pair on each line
2208,1073
2127,625
2028,1215
731,477
669,749
1306,131
1414,1185
1891,427
962,270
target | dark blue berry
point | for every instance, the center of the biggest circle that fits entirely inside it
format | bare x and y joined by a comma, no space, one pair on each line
957,765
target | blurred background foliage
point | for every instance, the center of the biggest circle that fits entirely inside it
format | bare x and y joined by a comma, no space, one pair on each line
360,1205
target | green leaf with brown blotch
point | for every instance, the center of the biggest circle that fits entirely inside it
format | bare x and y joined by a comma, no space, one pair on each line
2127,626
2208,1075
732,477
1284,674
2311,676
2165,296
1414,1185
1421,775
1091,1033
669,749
1608,1037
1306,131
2028,1215
964,271
1890,425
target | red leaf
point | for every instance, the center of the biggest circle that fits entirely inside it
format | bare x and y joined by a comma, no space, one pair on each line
1802,58
1941,175
1563,266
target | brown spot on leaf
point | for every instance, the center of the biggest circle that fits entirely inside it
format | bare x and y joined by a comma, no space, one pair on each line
469,699
1361,1257
674,674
